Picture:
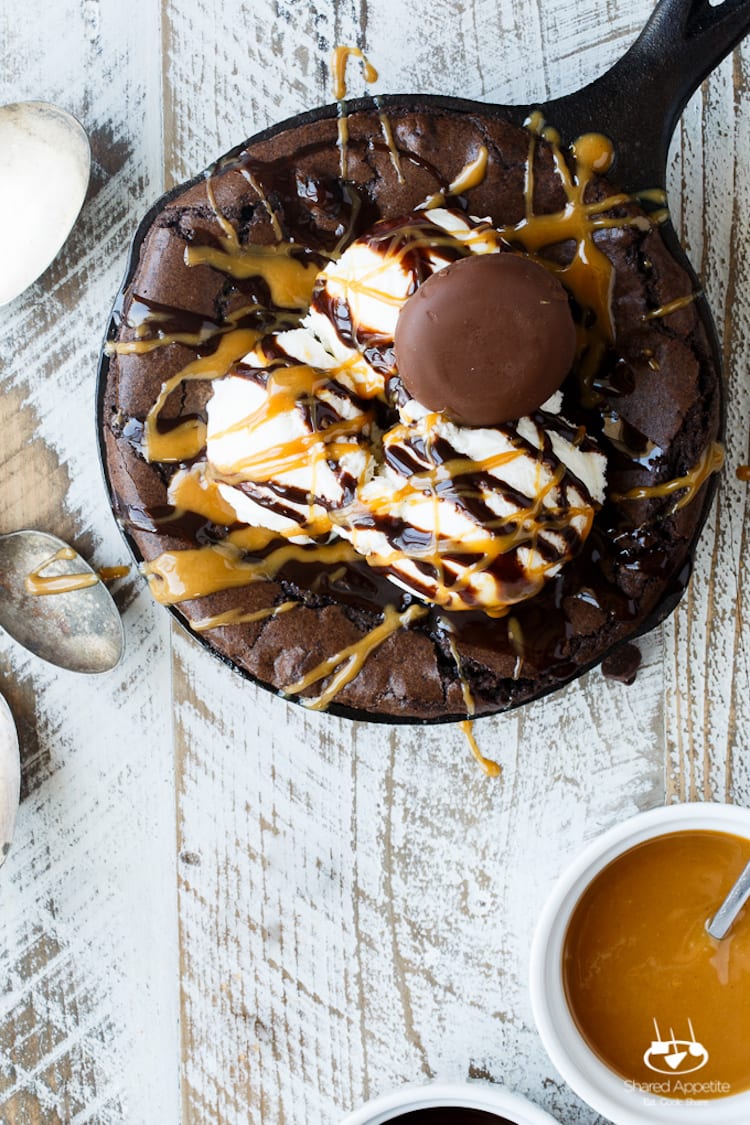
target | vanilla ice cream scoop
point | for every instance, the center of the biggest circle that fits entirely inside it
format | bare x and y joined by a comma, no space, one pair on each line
471,518
461,516
285,445
357,300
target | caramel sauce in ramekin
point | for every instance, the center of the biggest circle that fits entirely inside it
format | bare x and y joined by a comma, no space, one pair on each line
660,1002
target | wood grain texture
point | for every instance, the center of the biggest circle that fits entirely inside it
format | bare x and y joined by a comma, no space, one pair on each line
88,934
707,708
221,908
381,929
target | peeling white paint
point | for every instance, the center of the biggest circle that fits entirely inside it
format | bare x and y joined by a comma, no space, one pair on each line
223,908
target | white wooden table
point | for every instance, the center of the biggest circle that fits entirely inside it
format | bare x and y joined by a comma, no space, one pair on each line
219,907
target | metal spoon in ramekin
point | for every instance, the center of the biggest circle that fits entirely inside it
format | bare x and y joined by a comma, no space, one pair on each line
719,926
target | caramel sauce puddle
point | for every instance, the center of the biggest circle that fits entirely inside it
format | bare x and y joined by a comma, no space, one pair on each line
344,665
711,461
42,585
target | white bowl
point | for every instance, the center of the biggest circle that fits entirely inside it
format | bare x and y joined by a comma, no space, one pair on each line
10,778
434,1095
604,1090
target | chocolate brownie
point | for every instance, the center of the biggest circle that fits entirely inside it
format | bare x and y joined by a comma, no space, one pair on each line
317,622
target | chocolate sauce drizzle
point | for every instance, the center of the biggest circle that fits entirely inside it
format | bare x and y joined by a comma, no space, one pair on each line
540,635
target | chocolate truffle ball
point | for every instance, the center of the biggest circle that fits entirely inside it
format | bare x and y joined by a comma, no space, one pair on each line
487,339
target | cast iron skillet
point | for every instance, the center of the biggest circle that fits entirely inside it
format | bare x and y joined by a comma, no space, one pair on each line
636,104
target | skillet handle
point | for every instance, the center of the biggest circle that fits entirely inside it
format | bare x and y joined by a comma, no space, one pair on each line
638,101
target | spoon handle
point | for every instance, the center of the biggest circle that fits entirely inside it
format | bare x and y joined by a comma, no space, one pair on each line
638,101
719,926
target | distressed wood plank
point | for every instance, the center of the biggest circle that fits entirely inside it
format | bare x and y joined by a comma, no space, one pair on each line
88,940
356,901
707,715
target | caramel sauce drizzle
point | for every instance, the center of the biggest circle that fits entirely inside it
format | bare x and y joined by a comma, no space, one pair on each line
188,438
339,62
270,211
385,125
594,151
58,583
290,281
469,703
38,584
112,573
671,306
710,461
492,769
175,576
41,585
359,371
588,275
471,175
178,575
142,344
657,198
193,491
346,664
286,386
496,537
238,616
516,638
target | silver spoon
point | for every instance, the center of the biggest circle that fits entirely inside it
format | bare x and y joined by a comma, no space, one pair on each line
79,629
10,778
45,161
719,926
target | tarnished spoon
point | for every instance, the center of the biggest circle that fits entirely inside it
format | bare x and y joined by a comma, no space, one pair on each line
40,144
10,778
79,629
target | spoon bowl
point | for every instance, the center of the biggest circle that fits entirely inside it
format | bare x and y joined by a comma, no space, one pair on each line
78,628
36,137
10,778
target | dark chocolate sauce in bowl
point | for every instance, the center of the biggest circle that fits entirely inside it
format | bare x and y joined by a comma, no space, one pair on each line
450,1115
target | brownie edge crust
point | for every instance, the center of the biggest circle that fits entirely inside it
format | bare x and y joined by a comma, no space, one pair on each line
652,403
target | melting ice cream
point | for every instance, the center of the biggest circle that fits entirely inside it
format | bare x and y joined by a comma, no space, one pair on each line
314,435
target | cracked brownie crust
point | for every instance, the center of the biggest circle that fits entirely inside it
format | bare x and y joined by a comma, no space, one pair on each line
651,401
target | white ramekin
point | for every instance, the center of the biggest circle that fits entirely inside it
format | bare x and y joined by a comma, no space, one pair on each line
10,778
604,1090
434,1095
